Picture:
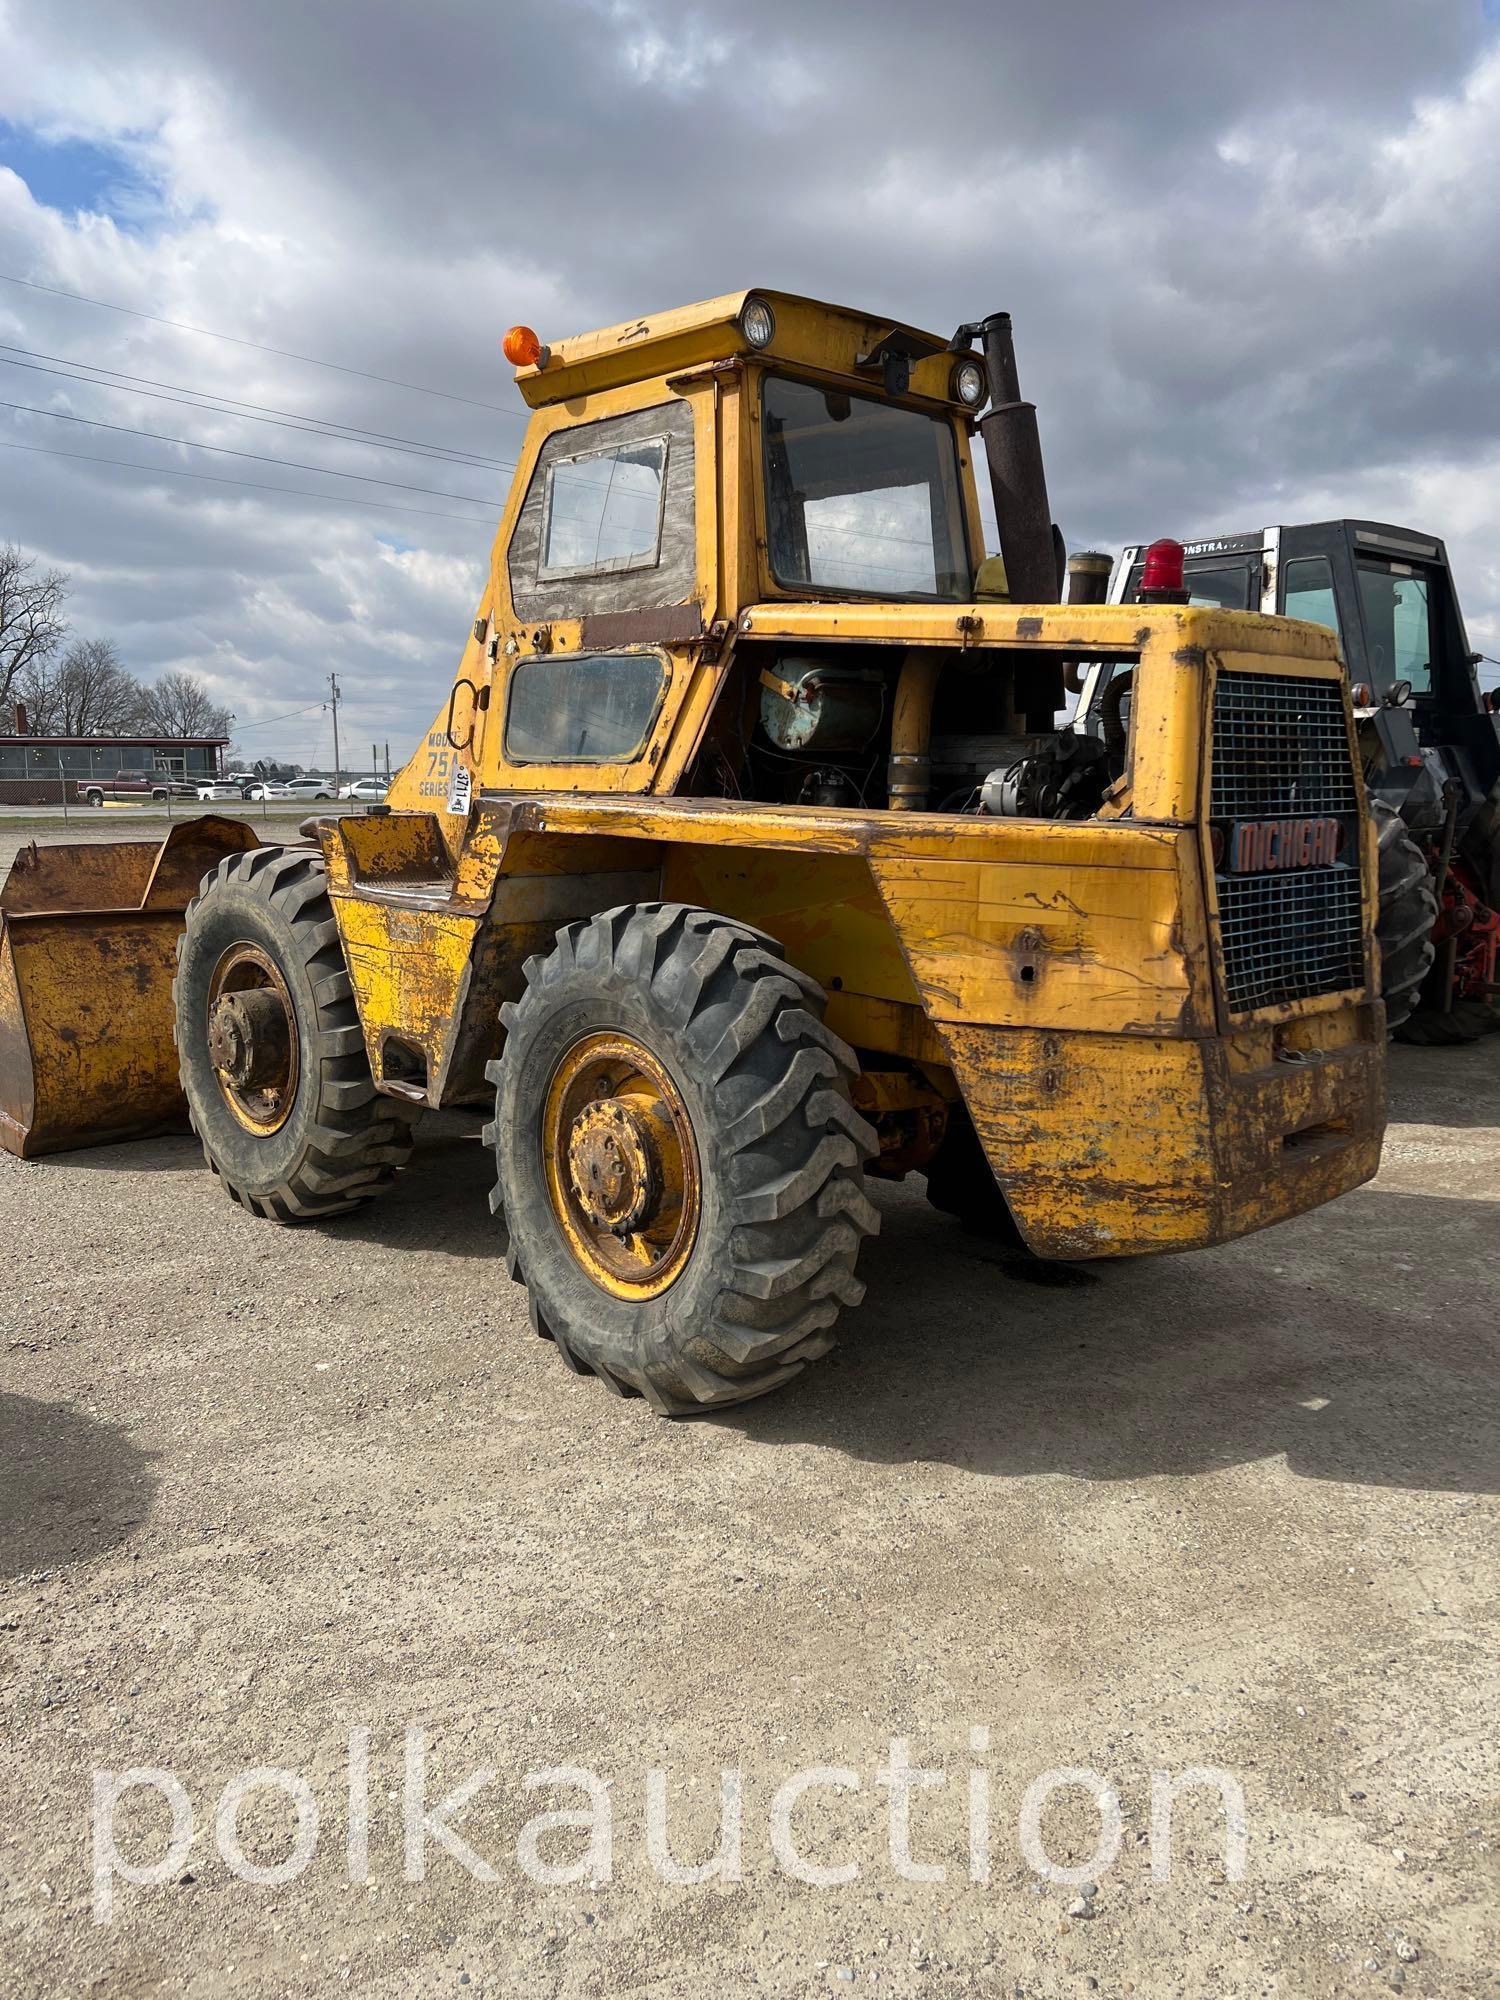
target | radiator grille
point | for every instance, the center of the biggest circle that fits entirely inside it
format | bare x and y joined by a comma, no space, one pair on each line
1290,937
1280,746
1281,750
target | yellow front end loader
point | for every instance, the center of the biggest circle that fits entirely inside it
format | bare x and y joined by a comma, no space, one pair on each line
742,862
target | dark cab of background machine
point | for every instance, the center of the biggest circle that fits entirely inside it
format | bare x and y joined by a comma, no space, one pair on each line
1387,592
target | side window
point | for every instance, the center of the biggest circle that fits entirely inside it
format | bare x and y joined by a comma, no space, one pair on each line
609,519
582,708
1398,625
602,512
1307,583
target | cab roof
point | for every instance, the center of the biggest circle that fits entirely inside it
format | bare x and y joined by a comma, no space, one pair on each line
808,333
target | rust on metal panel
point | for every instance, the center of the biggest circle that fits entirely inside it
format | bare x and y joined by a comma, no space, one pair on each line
430,966
1111,1145
667,625
1083,947
110,876
188,853
88,951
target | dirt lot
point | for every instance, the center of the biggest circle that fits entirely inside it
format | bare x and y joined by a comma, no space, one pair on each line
262,1488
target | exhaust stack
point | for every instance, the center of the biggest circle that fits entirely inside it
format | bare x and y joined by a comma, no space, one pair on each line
1014,451
1088,577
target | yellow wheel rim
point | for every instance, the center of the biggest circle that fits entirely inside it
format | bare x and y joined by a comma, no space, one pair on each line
621,1165
252,1039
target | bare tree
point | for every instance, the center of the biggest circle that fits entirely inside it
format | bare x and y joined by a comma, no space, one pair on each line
88,692
180,705
31,621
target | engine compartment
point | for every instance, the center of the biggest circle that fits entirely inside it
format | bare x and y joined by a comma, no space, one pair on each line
971,731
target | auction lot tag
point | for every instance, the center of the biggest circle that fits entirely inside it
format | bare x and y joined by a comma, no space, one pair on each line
460,787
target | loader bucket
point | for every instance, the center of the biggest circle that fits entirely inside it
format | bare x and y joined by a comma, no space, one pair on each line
88,949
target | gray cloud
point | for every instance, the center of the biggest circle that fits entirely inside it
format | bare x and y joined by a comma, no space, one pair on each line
1248,250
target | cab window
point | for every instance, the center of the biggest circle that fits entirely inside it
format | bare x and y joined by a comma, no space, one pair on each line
583,708
1225,587
608,521
862,496
1308,592
1398,626
602,510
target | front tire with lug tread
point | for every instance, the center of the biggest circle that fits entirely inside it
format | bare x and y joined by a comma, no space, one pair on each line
1408,912
680,1165
269,1046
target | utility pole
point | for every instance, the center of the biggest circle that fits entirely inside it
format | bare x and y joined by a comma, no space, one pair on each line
333,684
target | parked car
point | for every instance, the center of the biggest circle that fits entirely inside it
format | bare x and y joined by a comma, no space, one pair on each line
219,788
131,785
268,788
366,791
311,788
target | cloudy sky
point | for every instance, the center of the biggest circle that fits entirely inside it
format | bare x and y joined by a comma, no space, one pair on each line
1251,251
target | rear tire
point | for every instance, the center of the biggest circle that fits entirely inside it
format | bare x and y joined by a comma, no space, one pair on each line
339,1141
1408,912
753,1098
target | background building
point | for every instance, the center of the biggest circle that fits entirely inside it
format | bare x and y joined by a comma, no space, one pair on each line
35,770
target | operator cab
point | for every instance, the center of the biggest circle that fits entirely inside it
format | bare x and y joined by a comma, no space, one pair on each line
1387,594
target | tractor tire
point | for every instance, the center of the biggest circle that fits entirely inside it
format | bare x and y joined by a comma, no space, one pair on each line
680,1168
269,1046
1408,912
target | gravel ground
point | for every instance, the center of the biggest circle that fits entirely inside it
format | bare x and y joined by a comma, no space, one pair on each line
261,1488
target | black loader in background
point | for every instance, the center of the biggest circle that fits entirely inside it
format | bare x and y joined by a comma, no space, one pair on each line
1428,734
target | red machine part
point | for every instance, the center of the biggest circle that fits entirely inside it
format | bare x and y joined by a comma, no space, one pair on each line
1474,927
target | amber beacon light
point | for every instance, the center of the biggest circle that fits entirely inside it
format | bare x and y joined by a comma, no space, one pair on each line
522,349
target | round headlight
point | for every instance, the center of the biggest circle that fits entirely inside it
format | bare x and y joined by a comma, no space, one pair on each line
969,384
758,323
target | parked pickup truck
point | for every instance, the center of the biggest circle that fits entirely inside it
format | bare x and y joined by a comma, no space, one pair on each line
134,785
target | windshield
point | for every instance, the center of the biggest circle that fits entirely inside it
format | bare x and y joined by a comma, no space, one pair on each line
861,496
1398,626
1226,586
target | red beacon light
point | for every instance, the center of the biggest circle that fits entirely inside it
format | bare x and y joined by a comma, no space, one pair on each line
1161,573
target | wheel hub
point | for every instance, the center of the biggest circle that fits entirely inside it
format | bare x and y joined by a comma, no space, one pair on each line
614,1169
252,1038
621,1165
249,1037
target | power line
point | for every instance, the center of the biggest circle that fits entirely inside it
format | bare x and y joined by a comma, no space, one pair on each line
260,457
233,405
217,479
237,340
266,724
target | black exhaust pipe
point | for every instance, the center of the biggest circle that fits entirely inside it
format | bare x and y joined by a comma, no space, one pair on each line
1014,450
